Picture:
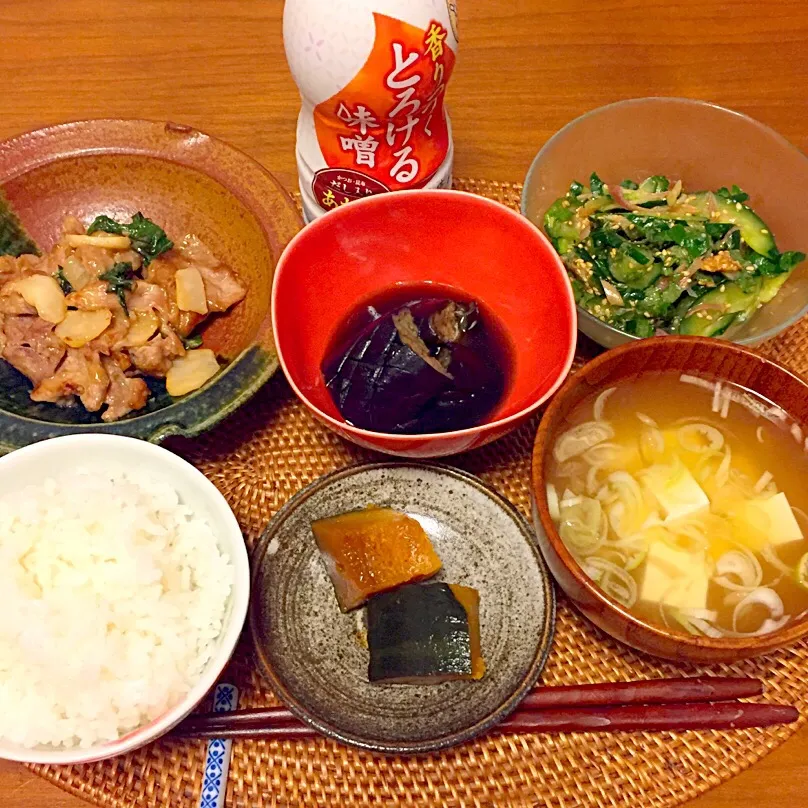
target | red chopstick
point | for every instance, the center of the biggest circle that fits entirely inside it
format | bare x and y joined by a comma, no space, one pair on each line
657,704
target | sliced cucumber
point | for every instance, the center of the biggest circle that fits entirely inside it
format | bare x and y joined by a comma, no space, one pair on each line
771,286
753,229
712,322
634,273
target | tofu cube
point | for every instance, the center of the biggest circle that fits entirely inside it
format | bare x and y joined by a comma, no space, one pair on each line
676,491
769,521
675,577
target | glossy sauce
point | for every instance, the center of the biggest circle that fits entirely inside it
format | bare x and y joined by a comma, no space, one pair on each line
382,384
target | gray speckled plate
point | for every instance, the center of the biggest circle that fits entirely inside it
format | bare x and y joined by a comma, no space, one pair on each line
309,650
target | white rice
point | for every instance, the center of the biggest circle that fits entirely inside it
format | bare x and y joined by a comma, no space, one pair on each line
114,593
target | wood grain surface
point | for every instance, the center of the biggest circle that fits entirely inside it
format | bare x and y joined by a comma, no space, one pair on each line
526,67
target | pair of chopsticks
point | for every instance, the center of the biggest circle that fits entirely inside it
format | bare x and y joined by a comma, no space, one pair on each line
657,704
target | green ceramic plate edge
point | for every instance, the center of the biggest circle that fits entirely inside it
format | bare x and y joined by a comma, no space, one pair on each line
187,416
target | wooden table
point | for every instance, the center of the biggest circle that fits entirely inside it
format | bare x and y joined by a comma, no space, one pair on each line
526,67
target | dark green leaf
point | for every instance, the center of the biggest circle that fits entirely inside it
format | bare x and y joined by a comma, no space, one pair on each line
576,189
696,243
148,239
788,260
596,184
677,234
747,281
763,265
630,184
733,195
106,225
605,238
194,342
717,230
636,254
63,281
120,279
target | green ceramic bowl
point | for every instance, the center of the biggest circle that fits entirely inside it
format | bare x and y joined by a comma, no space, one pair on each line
187,182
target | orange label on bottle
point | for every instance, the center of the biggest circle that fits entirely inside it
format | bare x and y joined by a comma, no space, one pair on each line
387,124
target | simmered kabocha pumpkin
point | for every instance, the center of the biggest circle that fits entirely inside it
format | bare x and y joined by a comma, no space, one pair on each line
425,634
371,551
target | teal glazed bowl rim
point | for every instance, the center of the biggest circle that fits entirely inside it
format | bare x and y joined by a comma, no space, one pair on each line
592,322
240,176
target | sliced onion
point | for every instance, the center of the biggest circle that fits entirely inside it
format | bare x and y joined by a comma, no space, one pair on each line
600,403
722,472
716,405
770,554
188,373
688,438
612,295
580,438
592,481
582,525
613,580
743,565
765,597
552,503
647,419
701,614
796,432
604,454
725,405
764,480
695,380
759,434
766,627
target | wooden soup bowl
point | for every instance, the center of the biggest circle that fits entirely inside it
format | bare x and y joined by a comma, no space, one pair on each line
715,360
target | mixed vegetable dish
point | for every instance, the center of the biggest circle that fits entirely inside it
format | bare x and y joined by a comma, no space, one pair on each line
652,258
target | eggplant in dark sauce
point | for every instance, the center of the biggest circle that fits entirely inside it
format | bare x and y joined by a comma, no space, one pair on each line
430,365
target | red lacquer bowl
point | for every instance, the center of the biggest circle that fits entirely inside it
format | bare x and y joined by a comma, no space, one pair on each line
484,250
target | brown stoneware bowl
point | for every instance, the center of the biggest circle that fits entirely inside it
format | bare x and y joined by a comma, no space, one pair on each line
712,359
187,182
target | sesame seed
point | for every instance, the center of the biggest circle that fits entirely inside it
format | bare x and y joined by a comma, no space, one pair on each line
738,206
764,231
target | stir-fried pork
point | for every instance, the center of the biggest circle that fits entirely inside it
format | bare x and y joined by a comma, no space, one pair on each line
67,356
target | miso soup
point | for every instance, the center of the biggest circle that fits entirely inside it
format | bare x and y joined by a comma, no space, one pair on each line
684,499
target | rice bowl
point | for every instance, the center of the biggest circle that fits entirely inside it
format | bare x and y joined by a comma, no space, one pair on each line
126,582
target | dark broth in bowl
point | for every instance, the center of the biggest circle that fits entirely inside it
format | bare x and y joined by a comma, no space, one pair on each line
418,359
684,500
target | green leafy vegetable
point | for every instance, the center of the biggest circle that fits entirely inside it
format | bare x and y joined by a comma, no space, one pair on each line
120,279
63,281
734,195
13,238
148,239
596,184
192,342
681,251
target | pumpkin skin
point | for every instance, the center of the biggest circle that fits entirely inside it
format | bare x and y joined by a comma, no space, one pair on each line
424,634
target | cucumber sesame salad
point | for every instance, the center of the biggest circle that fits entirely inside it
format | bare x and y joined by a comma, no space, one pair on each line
652,258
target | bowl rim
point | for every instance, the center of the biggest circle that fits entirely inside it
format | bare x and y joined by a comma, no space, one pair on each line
173,465
394,439
639,101
247,180
767,642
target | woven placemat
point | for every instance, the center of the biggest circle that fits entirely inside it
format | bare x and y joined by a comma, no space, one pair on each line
265,453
